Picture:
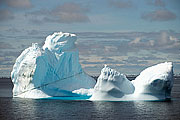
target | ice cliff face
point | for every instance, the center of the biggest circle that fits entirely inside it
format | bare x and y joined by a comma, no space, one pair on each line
52,70
111,85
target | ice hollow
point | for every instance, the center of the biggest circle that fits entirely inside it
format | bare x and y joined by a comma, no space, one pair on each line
52,70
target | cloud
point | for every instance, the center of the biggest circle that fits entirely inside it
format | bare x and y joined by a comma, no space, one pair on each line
121,4
68,12
4,45
22,4
142,42
7,60
89,62
6,15
10,53
159,15
137,40
158,3
151,57
107,59
105,35
166,42
130,69
13,30
93,70
33,32
6,72
134,60
36,21
130,52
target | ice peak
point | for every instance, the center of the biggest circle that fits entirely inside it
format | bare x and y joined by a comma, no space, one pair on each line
109,74
35,46
59,41
165,67
111,85
105,65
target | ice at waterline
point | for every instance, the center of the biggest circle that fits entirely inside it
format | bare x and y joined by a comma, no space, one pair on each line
53,71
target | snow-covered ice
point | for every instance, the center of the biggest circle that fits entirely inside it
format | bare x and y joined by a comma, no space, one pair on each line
111,85
155,81
52,70
83,91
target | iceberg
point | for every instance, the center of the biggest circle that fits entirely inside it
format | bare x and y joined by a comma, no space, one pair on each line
51,70
54,71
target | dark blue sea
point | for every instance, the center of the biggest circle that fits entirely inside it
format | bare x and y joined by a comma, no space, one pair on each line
46,109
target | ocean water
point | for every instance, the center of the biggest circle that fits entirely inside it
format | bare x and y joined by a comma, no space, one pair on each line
45,109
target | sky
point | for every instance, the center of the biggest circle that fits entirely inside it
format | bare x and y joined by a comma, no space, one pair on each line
127,35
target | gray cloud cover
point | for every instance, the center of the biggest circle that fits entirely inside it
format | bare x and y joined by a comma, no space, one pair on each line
164,41
4,45
6,15
159,3
22,4
68,12
126,50
159,15
121,3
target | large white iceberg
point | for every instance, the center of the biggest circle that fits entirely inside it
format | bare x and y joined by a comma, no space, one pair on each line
52,70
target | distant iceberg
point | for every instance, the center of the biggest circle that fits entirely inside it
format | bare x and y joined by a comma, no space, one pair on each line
52,70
